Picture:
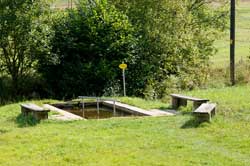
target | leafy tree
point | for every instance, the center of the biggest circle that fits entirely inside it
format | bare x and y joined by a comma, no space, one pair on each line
176,39
89,44
18,18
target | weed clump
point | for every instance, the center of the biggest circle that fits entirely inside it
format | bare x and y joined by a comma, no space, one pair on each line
26,121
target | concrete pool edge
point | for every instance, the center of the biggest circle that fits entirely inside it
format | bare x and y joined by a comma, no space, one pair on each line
133,109
64,115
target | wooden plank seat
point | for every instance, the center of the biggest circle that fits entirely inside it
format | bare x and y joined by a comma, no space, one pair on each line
181,100
205,112
32,109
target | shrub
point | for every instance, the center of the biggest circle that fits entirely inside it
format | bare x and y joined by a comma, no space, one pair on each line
89,44
176,41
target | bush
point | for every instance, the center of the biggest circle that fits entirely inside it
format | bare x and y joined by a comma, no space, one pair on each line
89,44
5,89
176,41
30,87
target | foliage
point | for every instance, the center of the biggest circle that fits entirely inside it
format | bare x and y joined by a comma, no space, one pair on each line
26,121
221,58
176,38
5,88
89,44
166,45
16,27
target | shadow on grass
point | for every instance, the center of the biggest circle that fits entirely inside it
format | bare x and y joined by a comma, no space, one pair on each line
192,123
26,121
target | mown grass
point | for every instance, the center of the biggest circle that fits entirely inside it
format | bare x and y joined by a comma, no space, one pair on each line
231,100
177,140
150,141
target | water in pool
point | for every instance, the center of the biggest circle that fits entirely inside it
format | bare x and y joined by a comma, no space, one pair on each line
93,113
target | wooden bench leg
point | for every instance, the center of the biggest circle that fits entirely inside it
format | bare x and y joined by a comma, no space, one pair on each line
182,102
25,112
197,104
203,117
213,112
40,115
176,102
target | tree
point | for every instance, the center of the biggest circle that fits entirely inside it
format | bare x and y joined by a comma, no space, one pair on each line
17,22
176,40
89,44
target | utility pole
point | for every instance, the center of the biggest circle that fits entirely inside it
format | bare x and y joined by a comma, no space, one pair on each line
232,42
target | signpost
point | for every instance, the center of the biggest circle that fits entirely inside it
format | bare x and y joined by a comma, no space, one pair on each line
123,66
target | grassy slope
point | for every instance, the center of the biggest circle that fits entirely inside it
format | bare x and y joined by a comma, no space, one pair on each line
242,37
141,141
137,141
230,99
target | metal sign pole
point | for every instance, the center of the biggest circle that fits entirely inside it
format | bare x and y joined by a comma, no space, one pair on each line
124,85
123,66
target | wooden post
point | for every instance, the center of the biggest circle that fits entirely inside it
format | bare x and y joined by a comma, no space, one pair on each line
196,104
182,102
232,43
175,103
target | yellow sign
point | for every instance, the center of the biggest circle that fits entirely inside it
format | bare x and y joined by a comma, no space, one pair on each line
123,66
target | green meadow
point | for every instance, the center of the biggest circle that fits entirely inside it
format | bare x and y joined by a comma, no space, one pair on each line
142,141
242,51
173,140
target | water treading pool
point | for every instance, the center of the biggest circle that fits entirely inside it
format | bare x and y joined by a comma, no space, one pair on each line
90,111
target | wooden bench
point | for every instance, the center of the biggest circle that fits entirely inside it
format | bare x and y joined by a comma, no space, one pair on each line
181,100
205,112
32,109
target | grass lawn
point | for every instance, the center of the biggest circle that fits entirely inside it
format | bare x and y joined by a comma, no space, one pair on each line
133,141
230,100
148,141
